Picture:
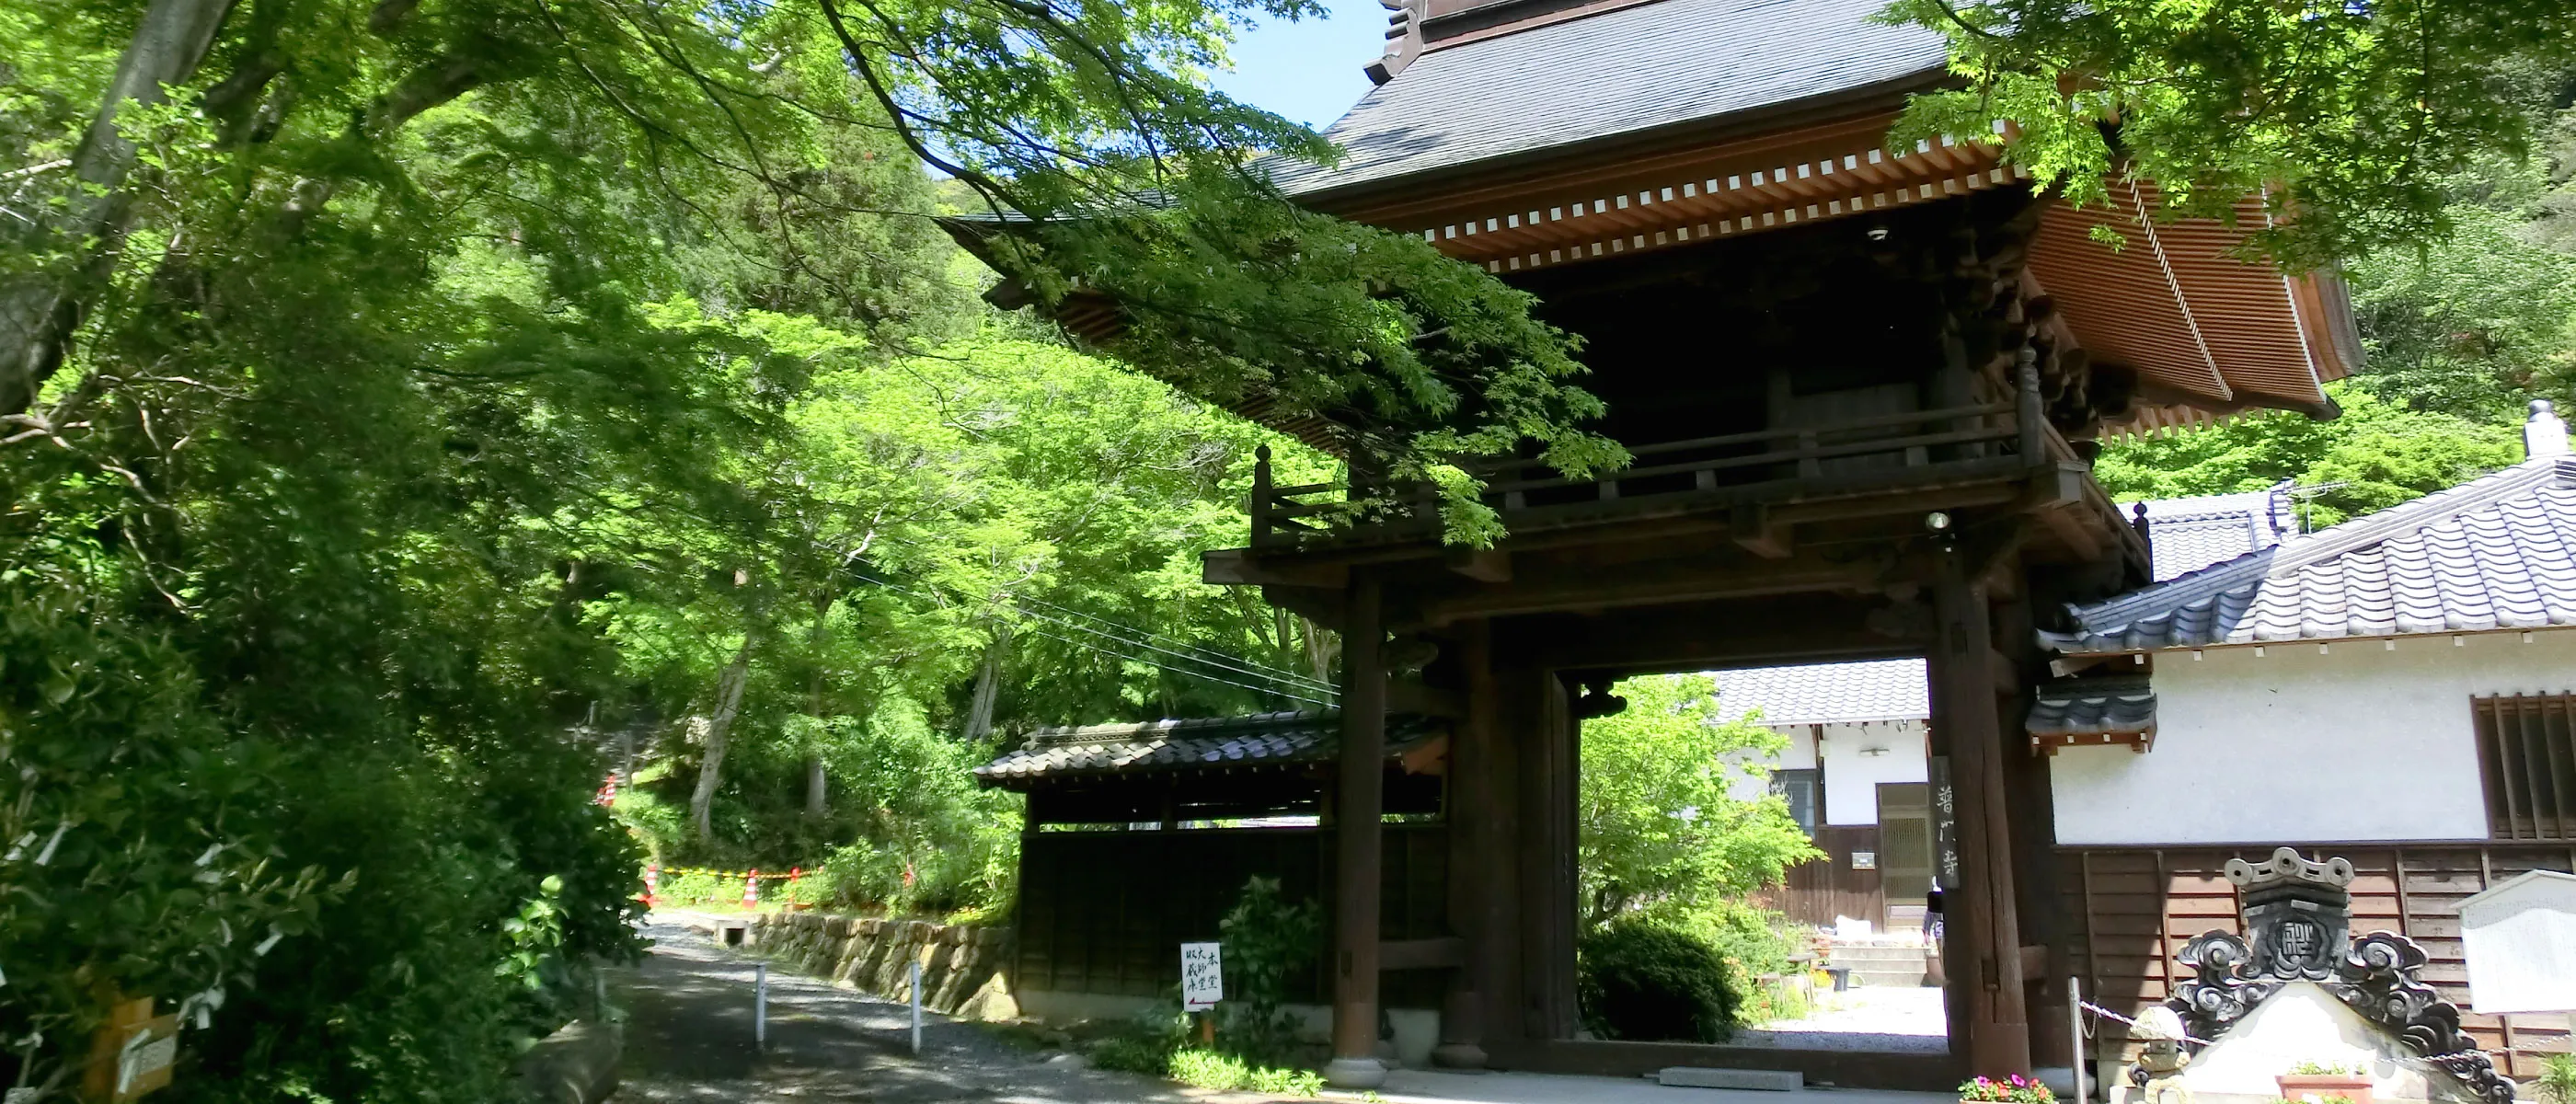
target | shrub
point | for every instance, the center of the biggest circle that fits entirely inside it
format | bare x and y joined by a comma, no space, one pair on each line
1133,1054
2557,1084
1265,940
696,889
1208,1069
1645,980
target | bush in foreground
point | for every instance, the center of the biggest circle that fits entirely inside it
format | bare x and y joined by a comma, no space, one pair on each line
1644,980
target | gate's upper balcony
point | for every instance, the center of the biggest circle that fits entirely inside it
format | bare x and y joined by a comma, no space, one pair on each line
1757,482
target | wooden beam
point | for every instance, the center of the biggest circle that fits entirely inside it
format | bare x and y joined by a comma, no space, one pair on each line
1421,954
1756,530
2064,523
1811,628
1409,696
1238,567
2007,675
1485,565
1594,590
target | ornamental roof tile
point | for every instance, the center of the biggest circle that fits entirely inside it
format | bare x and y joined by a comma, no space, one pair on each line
1263,739
1827,693
1617,74
2495,553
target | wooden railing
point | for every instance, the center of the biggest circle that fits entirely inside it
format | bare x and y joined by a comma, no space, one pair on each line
1854,454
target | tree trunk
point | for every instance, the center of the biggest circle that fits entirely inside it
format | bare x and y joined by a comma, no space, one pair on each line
718,725
816,785
988,686
40,310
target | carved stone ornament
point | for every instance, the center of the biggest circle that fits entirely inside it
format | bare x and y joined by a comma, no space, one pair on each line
2298,912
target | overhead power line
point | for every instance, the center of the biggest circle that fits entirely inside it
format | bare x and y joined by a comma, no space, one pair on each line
1290,691
1145,635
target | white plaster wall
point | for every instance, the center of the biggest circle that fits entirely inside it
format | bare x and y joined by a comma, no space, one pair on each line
1800,755
2362,743
1852,778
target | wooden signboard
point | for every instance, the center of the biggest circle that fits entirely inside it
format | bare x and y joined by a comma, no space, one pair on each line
132,1054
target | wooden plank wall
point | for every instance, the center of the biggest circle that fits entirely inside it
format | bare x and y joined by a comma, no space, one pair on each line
1817,892
1106,912
2134,908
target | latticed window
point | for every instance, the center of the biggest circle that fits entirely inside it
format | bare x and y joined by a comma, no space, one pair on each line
2527,750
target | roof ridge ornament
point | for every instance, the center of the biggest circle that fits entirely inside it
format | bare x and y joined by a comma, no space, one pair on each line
2297,913
2545,434
1403,40
2287,865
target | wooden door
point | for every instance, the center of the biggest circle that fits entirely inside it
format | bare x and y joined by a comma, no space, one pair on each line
1905,850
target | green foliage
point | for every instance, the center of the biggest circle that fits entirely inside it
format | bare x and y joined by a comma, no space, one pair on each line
1662,819
2557,1082
1644,980
2382,453
1146,1043
2348,116
1264,941
1209,1069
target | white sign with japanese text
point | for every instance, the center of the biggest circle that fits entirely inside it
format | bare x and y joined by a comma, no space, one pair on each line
1202,977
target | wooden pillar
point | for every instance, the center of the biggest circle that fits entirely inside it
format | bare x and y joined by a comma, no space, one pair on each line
1506,700
1549,764
1474,852
1359,808
1990,1025
2032,814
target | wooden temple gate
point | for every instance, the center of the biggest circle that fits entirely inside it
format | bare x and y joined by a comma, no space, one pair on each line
1862,383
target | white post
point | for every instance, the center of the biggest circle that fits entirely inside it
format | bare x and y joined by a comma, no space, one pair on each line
916,1006
760,1005
2075,1033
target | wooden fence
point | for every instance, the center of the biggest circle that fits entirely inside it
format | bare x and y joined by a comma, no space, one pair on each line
1106,912
2134,908
1817,892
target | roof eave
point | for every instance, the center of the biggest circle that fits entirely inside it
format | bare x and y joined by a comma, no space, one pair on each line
1876,97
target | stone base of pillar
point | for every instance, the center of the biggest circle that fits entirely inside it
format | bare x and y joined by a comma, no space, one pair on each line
1458,1056
1354,1073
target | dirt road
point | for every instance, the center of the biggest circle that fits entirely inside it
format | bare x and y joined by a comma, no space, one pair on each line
689,1038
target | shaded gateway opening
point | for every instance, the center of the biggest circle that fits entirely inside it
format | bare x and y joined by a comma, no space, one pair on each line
1851,760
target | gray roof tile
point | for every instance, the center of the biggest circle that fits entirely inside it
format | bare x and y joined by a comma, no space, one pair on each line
1185,745
2187,534
1827,693
1617,73
2093,707
2495,553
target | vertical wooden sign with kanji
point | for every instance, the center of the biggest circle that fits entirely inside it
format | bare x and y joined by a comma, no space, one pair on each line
132,1054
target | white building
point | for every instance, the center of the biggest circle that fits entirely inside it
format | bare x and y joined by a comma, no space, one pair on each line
2398,690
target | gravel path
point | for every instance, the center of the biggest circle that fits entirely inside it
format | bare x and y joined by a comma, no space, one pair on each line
689,1038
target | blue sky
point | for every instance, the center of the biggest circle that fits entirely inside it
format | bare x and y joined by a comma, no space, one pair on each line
1308,70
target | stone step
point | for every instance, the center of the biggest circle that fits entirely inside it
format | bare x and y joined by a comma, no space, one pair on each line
1703,1077
1864,957
1897,979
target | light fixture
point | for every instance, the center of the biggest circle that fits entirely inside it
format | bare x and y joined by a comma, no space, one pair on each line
1878,232
1937,521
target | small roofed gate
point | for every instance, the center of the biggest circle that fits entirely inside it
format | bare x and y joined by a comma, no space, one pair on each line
1141,837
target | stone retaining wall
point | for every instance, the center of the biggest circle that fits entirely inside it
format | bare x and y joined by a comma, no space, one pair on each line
961,966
